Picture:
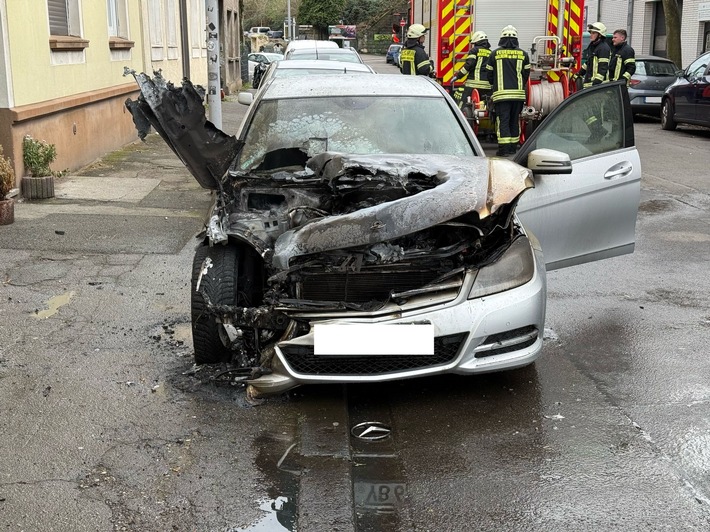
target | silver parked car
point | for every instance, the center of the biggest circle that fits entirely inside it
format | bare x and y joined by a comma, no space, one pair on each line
360,234
653,74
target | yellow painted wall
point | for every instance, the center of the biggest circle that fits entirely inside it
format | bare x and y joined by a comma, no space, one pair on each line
34,77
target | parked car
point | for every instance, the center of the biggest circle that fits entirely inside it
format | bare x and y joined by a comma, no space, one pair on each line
275,34
279,69
347,55
346,245
647,85
687,99
259,29
263,59
391,51
396,57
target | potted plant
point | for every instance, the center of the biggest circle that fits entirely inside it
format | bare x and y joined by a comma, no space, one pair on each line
7,183
37,155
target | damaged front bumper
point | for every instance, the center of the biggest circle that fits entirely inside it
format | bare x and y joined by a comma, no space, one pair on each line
492,333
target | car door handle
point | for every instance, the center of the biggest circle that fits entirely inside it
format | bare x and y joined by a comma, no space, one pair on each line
619,170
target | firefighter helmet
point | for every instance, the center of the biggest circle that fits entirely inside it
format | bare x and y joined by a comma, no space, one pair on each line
598,27
415,31
509,31
478,37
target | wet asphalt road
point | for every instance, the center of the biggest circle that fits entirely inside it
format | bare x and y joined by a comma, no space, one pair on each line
106,425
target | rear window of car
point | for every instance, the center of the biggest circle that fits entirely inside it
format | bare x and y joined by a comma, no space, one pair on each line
655,68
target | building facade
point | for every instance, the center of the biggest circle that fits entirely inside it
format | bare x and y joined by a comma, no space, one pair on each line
62,68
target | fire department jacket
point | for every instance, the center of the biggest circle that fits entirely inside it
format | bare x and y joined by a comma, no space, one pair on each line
508,70
414,60
622,64
475,68
596,68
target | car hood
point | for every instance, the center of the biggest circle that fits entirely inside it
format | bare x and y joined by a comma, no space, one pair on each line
461,185
178,115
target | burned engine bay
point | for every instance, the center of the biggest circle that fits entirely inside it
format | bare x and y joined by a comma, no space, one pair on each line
331,235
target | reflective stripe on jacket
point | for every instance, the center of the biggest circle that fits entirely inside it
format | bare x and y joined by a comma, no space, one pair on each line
622,64
475,68
413,60
508,73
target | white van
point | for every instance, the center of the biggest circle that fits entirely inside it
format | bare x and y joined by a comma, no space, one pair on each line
309,43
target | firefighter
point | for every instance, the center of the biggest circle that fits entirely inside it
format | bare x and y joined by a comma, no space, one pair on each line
413,60
622,64
595,71
475,69
508,70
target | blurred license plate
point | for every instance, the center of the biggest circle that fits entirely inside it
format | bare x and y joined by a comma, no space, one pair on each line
382,497
373,339
653,99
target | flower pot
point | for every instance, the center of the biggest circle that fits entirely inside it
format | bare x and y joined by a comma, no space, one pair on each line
7,211
41,187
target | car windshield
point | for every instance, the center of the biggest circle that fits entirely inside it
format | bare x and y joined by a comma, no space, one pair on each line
274,57
356,125
655,68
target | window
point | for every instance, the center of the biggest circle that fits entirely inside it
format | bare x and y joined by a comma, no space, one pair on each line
65,26
570,131
697,67
117,20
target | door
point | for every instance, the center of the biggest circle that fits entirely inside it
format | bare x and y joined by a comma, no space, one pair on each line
702,94
590,213
686,95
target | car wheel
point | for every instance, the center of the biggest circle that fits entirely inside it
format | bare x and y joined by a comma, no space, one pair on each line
667,121
219,284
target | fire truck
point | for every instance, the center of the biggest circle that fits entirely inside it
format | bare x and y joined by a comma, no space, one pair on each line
549,30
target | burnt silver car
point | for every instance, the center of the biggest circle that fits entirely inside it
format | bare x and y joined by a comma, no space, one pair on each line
360,234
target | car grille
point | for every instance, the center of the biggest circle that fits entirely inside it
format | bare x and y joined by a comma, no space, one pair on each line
303,361
362,286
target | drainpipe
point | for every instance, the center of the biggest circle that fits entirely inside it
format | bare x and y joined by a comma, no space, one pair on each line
630,19
185,38
214,87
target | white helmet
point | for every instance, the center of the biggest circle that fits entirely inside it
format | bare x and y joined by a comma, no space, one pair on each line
509,31
478,36
415,31
598,27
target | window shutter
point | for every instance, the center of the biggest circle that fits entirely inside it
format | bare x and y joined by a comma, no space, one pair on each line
58,19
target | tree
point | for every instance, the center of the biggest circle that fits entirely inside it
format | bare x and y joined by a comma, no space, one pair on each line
321,13
359,11
674,12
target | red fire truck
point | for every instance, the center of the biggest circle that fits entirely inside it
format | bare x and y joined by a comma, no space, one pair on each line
549,30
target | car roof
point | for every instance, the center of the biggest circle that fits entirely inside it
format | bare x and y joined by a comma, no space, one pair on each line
652,58
318,64
310,43
385,85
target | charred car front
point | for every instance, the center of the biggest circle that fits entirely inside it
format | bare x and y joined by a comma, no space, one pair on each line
359,234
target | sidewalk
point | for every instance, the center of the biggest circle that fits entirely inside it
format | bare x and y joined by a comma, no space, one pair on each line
142,189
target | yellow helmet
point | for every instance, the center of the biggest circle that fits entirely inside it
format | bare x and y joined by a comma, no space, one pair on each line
598,27
478,36
509,31
415,31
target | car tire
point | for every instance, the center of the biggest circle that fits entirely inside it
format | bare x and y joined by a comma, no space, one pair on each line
220,286
667,121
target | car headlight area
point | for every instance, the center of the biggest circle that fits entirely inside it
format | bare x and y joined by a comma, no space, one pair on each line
499,330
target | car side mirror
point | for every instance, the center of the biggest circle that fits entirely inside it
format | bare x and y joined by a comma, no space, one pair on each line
680,73
545,161
245,98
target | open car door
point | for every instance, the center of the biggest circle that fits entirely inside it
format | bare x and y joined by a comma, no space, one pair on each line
588,213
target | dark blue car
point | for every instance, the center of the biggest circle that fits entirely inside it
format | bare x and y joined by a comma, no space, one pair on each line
392,52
